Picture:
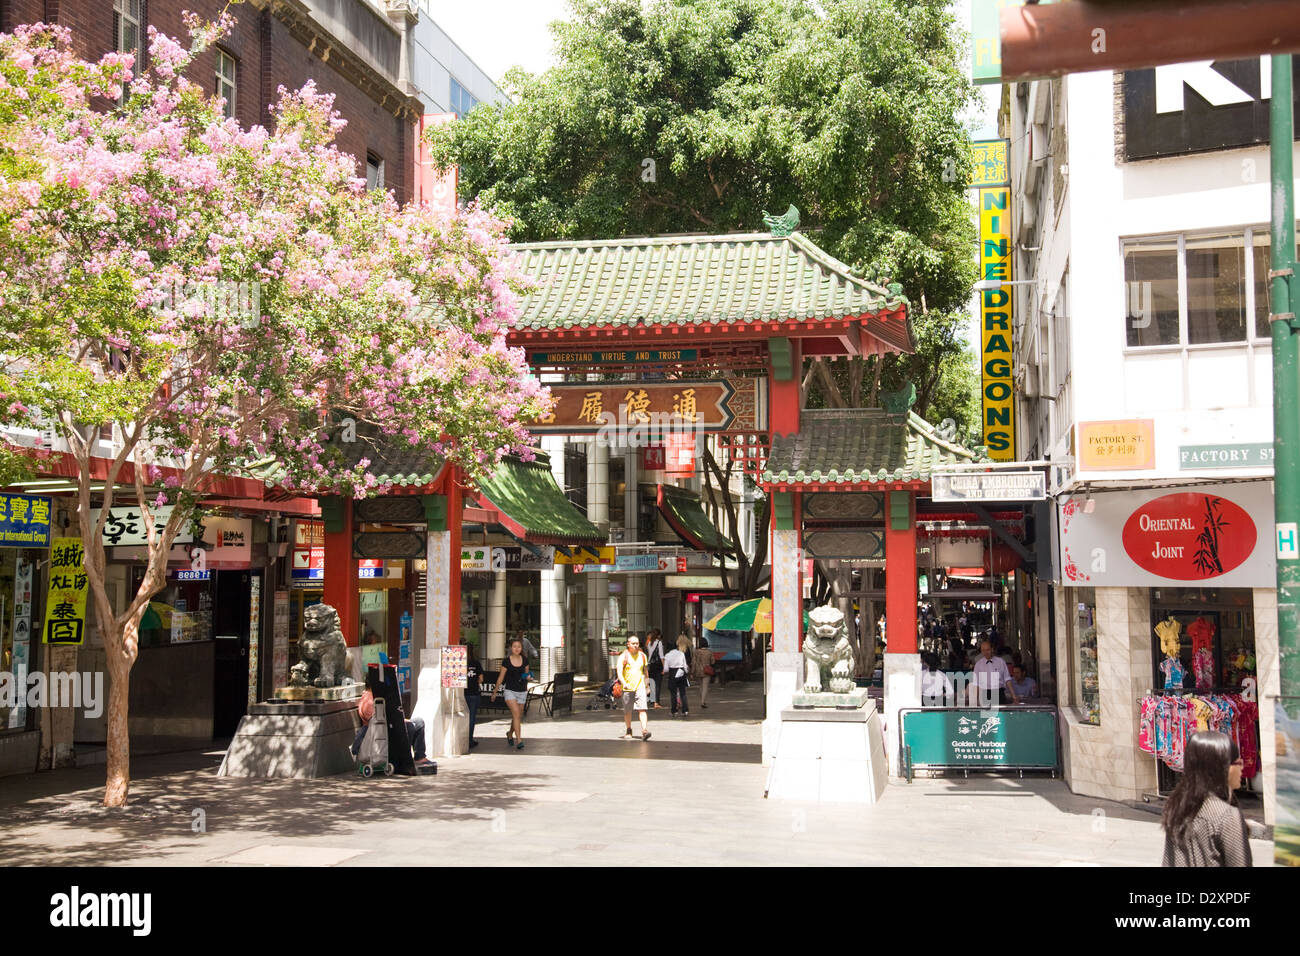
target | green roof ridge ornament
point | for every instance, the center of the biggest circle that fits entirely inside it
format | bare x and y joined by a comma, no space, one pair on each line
899,402
782,225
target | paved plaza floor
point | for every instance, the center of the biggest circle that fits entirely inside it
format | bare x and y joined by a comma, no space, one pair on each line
577,794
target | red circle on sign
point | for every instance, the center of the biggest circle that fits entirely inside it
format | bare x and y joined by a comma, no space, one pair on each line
1189,537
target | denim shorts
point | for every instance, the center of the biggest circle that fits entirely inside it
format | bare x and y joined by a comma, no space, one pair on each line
518,696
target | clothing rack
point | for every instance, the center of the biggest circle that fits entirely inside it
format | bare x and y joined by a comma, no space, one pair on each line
1182,692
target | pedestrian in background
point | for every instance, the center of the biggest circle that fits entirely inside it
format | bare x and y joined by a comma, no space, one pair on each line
473,670
702,668
654,650
675,672
633,672
514,673
1202,826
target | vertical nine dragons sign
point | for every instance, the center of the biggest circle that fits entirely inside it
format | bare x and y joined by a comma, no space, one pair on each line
998,411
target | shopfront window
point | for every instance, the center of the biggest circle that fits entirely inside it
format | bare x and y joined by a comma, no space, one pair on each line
1214,629
178,614
1083,637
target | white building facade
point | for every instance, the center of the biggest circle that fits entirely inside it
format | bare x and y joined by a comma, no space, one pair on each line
1140,205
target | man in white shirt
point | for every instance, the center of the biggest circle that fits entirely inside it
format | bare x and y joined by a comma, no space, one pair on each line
936,688
992,676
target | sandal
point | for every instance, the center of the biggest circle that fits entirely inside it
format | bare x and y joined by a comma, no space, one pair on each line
646,735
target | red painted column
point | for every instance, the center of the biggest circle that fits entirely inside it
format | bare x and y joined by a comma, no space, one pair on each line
900,575
341,588
784,375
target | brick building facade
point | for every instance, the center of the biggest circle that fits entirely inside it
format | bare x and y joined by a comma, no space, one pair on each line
347,47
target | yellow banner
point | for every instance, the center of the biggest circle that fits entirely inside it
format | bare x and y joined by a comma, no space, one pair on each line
996,353
65,604
586,556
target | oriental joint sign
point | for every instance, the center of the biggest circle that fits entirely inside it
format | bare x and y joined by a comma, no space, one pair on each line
1218,535
657,407
996,350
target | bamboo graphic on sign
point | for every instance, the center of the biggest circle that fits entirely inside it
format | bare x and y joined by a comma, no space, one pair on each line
1207,554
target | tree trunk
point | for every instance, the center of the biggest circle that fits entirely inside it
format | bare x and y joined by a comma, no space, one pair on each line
118,784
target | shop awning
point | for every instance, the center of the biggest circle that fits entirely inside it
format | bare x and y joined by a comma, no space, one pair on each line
684,513
532,507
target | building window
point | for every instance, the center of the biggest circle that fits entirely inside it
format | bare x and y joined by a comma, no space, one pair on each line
374,172
1083,640
225,82
127,18
461,101
1196,290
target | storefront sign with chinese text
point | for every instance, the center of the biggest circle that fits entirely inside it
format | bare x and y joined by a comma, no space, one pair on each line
65,603
1117,446
124,526
24,521
658,407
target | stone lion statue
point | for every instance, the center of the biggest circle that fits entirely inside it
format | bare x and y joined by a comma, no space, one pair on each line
827,653
322,652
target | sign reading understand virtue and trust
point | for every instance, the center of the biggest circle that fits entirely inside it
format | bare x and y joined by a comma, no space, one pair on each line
996,350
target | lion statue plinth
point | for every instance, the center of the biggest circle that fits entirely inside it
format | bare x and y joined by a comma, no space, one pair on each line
827,653
322,651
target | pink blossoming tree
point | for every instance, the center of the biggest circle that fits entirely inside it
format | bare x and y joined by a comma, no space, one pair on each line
220,297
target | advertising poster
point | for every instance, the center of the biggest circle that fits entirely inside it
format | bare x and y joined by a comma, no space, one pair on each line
254,634
455,666
280,647
22,637
404,654
65,604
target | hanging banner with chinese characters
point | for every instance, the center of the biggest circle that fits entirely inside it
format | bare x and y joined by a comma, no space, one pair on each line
65,603
737,404
996,349
24,522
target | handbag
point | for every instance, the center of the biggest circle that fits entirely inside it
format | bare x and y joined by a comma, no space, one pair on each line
708,670
617,690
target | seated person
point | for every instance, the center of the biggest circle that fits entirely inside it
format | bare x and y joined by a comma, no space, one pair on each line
936,688
1023,685
414,730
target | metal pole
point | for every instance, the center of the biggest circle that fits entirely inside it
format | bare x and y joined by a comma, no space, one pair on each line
1286,395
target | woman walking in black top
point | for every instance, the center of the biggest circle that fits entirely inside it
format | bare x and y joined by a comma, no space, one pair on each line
1202,827
514,673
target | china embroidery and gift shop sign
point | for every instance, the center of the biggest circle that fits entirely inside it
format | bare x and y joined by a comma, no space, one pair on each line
1219,534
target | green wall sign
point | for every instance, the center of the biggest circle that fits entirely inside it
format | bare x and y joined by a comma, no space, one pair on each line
1257,454
981,739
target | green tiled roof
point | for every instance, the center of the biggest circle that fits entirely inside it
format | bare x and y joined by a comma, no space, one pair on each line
684,513
699,280
860,445
391,459
533,507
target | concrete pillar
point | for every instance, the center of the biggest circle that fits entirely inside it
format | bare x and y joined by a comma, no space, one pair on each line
1268,678
783,667
902,662
597,582
494,645
553,593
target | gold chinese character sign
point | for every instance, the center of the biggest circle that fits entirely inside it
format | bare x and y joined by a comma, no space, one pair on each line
738,404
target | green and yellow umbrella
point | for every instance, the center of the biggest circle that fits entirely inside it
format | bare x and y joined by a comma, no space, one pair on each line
752,615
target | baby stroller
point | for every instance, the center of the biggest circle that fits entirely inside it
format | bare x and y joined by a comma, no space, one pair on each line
374,746
605,696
